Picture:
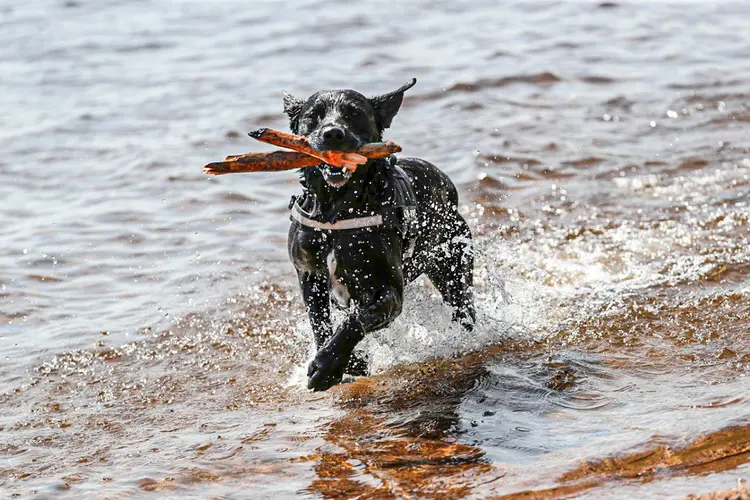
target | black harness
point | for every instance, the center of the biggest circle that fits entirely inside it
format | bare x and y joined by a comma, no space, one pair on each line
399,212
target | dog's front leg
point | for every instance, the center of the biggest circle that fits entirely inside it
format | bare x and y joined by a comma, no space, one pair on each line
329,364
318,304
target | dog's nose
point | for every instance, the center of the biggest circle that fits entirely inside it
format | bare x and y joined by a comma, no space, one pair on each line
333,134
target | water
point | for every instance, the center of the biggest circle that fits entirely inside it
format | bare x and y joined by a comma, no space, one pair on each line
151,334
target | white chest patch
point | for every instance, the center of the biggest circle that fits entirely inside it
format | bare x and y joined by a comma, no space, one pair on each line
338,290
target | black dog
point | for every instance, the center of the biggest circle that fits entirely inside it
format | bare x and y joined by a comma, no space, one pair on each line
360,237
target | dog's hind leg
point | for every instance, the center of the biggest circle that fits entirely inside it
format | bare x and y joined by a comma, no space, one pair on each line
318,304
453,275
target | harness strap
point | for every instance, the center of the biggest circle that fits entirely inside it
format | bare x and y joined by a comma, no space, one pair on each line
402,215
356,223
407,204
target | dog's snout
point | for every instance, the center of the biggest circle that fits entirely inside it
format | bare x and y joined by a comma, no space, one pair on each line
334,137
333,134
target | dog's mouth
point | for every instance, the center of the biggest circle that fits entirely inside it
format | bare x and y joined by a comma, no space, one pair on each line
335,176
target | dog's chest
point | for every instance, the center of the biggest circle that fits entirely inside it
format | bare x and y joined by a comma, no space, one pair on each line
315,252
308,250
339,289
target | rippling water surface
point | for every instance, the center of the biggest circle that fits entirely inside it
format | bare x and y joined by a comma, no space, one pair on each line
152,337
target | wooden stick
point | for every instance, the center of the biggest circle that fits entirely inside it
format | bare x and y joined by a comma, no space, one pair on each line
276,161
373,151
376,150
300,144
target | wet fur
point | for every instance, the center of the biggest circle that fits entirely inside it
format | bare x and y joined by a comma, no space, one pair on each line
368,266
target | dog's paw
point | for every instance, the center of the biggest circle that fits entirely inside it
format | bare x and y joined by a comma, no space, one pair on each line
326,370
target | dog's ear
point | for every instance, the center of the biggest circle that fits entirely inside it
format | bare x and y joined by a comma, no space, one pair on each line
386,105
292,107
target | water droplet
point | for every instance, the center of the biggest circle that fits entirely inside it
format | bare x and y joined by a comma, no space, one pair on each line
476,153
25,251
652,123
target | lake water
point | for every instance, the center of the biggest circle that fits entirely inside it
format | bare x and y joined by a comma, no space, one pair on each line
151,334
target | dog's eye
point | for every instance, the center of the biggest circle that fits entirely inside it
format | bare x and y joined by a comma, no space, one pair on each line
352,113
315,114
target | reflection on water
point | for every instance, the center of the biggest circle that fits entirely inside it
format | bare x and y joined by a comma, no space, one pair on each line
152,340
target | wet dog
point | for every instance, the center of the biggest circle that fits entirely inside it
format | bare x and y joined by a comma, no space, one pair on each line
359,237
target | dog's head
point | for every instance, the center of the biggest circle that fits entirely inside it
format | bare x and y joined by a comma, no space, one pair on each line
342,120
